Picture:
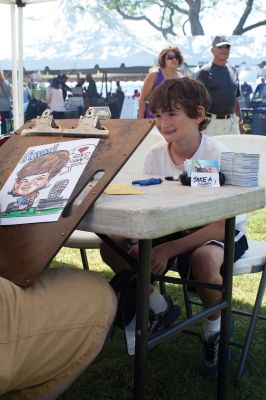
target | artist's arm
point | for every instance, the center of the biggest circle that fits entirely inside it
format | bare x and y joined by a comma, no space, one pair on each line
164,252
145,92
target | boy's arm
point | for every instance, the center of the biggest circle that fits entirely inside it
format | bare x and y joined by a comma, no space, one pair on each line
213,231
164,252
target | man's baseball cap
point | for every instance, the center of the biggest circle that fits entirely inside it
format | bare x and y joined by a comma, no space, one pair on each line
220,41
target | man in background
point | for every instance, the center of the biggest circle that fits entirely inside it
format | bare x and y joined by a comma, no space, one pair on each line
221,81
5,102
65,88
246,91
260,91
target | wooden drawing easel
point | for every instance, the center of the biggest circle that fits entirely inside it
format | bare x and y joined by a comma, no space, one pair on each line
25,250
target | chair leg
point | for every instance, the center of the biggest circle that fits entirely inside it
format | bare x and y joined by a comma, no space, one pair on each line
252,325
84,259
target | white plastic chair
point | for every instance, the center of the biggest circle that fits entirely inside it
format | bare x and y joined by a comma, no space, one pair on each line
254,260
83,240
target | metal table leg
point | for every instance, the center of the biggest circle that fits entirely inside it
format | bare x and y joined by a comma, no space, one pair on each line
225,322
142,313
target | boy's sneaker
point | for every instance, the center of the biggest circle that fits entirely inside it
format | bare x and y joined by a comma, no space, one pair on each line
211,352
163,320
157,322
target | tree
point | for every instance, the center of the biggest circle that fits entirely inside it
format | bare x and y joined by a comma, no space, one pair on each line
172,14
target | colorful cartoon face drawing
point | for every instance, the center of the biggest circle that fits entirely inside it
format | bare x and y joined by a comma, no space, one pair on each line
35,175
30,184
43,180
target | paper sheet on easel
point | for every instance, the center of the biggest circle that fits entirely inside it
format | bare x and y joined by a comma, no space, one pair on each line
119,188
42,182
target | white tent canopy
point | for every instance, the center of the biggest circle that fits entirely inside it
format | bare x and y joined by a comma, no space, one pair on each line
17,56
67,39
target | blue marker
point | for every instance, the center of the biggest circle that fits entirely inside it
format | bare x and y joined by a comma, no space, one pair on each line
147,182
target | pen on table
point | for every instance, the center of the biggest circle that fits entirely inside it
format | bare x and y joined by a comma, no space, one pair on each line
172,178
147,182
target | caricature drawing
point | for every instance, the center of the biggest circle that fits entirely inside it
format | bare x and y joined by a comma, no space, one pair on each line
35,176
43,180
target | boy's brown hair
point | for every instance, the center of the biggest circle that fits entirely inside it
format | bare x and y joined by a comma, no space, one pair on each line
186,93
50,162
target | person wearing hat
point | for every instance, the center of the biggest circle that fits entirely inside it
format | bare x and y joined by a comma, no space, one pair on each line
221,81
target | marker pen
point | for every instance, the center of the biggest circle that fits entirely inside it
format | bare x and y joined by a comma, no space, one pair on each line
171,178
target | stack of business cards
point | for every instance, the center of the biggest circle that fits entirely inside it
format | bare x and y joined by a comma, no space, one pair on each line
240,169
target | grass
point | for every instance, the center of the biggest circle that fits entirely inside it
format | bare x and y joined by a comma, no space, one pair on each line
174,366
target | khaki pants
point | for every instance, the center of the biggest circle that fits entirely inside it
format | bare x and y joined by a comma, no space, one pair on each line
51,331
228,126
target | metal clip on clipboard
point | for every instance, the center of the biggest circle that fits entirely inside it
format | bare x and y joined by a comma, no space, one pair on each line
88,126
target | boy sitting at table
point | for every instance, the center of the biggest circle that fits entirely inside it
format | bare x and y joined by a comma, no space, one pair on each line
179,107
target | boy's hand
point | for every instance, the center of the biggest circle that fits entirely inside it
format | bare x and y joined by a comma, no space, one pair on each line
134,251
159,259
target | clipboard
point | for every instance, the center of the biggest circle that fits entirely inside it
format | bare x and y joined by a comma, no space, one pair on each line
25,250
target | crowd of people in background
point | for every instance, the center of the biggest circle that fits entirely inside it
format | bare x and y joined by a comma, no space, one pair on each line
63,98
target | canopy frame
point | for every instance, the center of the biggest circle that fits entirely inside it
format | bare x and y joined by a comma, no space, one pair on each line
16,14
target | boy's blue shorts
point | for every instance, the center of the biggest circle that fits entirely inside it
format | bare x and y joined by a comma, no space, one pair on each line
181,263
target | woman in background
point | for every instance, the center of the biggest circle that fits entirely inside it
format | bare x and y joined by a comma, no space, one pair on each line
55,99
169,59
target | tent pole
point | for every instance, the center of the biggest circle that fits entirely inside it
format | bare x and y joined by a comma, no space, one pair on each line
14,64
20,68
17,64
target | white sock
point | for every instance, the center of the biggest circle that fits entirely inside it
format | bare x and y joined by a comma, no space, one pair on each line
210,327
157,302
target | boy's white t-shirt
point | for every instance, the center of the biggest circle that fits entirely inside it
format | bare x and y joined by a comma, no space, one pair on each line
159,162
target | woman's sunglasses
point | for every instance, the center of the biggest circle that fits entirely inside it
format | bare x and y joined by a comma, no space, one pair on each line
171,57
